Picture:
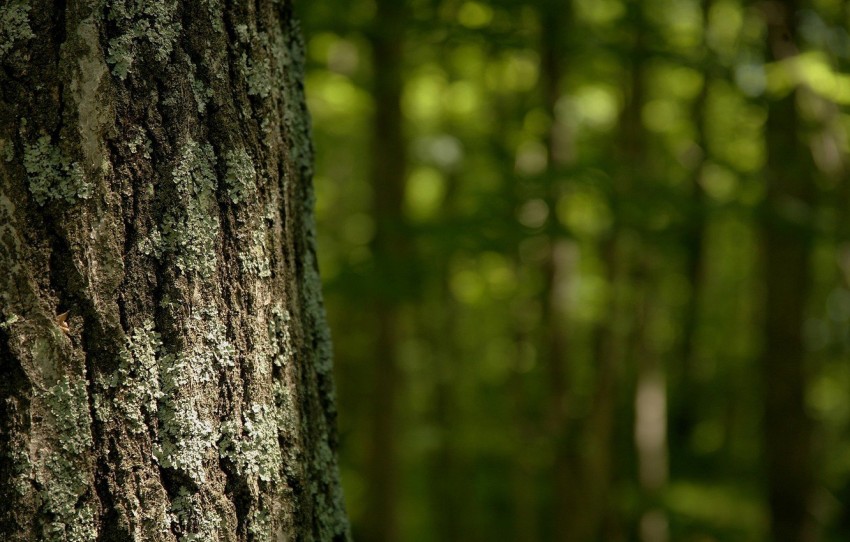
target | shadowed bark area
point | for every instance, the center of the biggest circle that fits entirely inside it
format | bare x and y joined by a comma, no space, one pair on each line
155,184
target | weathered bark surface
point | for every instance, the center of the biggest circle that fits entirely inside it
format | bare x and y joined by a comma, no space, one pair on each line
155,182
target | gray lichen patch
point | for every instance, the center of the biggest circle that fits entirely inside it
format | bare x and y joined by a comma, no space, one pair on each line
188,426
136,381
241,176
258,75
190,230
314,309
60,468
280,338
67,403
22,468
140,144
8,150
329,500
52,175
260,525
195,520
187,436
254,61
253,447
216,13
14,26
200,91
255,260
149,27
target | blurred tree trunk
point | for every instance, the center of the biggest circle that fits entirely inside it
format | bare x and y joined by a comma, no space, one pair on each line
787,247
166,364
389,169
686,393
650,400
608,352
447,478
556,16
449,489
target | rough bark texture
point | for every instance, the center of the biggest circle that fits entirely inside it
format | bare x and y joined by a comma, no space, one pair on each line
155,182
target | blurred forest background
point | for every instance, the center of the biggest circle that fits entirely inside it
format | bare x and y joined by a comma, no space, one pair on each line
587,266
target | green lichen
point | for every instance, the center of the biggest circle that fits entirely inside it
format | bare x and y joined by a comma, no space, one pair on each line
149,27
68,405
187,430
136,380
242,33
328,500
240,177
152,383
151,244
214,8
258,76
12,319
190,230
256,66
14,26
255,260
311,288
140,143
53,176
194,522
64,482
287,52
216,350
260,525
201,92
186,435
22,469
255,452
280,337
8,150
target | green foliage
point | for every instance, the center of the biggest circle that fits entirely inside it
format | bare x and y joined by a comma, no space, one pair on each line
587,218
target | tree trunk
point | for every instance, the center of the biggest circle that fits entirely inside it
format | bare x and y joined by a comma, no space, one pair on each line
687,394
167,367
787,247
556,270
650,392
389,169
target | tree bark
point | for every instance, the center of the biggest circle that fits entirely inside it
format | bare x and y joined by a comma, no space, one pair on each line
155,185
